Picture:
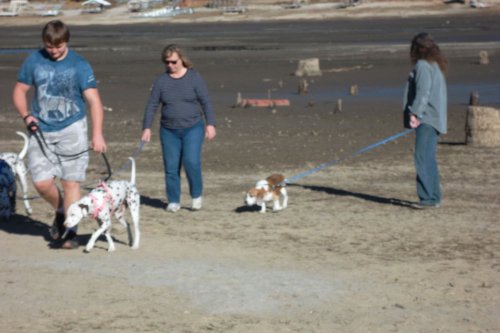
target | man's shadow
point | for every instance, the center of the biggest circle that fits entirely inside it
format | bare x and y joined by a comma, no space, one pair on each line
25,225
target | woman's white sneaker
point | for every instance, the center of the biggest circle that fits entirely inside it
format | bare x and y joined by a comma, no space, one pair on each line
197,202
173,207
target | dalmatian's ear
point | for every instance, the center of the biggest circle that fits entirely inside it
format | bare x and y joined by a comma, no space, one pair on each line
84,208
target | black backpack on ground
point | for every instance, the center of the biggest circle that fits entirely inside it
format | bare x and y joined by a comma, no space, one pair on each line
7,191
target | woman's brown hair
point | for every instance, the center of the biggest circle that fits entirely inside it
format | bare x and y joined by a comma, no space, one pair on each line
424,47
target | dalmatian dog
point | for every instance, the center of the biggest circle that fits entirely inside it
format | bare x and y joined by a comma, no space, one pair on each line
15,161
106,199
270,189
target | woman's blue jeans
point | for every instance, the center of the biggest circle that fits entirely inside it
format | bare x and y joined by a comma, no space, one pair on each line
182,148
428,189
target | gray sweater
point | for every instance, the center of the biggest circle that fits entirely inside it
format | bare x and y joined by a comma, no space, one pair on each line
426,96
184,101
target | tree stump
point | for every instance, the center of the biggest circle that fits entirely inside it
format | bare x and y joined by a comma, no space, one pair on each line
308,67
483,126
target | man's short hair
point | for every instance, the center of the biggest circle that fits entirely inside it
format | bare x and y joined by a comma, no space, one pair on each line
55,33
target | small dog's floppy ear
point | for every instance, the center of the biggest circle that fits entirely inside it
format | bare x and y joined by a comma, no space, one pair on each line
84,208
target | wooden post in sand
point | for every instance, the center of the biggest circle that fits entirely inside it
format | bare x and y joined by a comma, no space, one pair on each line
303,87
473,101
484,59
474,98
353,89
239,100
338,106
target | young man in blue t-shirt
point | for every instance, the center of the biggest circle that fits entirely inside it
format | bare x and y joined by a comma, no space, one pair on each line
63,82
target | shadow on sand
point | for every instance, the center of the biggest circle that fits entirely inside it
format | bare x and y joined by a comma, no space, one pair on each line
26,226
340,192
153,202
363,196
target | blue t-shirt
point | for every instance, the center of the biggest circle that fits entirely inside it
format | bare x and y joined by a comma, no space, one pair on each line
59,85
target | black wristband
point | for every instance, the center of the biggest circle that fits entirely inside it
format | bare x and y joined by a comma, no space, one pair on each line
25,117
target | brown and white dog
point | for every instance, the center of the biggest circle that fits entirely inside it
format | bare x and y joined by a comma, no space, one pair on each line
270,189
15,161
107,199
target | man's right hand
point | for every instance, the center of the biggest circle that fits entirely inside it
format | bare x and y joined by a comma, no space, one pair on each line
31,123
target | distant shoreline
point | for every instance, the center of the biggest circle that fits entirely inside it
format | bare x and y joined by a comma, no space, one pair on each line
263,13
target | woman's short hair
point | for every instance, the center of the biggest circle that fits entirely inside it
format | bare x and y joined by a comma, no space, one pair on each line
171,49
55,33
424,47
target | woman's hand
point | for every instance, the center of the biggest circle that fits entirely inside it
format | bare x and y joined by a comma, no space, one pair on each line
414,122
146,135
210,132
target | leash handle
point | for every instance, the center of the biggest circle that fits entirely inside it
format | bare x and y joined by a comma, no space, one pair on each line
108,167
32,127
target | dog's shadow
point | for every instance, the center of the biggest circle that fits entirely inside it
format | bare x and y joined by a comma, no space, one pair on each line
363,196
247,209
26,226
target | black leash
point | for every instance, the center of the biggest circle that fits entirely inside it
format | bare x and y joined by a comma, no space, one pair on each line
35,130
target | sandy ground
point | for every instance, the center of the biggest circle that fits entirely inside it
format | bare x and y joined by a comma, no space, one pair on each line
347,255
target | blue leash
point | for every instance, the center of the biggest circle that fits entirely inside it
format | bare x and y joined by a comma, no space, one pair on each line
332,162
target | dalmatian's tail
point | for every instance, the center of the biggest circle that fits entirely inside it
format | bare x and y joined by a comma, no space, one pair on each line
23,152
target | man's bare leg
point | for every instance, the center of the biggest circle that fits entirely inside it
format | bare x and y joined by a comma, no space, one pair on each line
71,192
50,193
71,195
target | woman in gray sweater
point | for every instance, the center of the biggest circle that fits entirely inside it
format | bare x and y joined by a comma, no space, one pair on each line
425,110
187,118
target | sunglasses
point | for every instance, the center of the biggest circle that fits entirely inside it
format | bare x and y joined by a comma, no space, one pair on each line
173,62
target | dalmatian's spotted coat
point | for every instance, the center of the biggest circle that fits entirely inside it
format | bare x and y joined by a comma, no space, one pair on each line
108,198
